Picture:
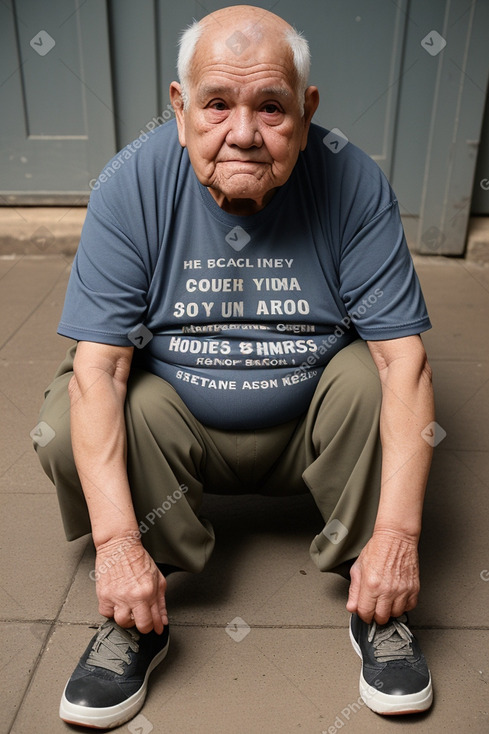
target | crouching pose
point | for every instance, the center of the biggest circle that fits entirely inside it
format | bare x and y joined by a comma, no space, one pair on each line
247,320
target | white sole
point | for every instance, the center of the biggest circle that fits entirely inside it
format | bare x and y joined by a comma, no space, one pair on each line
383,703
109,716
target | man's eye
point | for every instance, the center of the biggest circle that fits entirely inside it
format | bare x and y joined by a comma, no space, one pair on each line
270,109
219,106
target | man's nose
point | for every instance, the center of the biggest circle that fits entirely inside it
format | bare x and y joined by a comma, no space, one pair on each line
243,130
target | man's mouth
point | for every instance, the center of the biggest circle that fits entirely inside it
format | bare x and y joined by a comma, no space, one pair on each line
240,160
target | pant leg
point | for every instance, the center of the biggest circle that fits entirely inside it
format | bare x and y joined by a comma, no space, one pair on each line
164,450
334,451
166,456
344,455
171,458
57,456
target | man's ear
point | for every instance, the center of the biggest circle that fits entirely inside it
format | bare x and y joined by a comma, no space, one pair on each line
176,100
311,103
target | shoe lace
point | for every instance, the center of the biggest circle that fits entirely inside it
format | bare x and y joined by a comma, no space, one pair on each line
110,648
391,641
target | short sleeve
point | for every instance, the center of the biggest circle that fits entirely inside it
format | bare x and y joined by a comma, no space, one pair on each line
378,283
106,294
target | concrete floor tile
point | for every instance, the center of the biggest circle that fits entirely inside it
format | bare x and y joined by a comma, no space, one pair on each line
457,298
39,711
458,661
295,671
22,386
478,271
37,563
7,263
468,426
14,433
453,547
242,578
81,605
27,283
261,569
462,403
21,470
274,680
21,645
37,339
274,595
477,462
24,382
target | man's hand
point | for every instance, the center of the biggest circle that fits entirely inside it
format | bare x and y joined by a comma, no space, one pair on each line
385,577
130,588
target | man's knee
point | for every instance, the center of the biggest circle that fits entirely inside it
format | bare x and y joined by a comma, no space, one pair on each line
154,401
52,436
354,367
347,399
351,380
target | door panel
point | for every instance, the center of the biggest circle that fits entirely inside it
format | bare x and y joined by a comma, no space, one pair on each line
413,106
56,99
439,123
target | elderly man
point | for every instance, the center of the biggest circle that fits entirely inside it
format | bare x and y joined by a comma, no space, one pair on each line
247,319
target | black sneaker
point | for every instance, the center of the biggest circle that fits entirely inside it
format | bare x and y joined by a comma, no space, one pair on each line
109,684
395,678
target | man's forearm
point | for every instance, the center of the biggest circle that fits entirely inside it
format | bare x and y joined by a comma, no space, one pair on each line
407,408
99,447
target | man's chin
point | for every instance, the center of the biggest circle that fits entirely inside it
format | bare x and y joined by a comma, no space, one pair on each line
243,186
235,195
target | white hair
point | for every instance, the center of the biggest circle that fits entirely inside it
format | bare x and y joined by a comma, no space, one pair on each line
298,45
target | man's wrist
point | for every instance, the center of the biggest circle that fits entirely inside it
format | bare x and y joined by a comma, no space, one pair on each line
105,540
404,521
410,534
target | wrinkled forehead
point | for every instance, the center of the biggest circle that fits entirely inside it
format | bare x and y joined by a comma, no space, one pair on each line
240,51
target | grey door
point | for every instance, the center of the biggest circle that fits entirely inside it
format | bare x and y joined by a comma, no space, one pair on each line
57,114
405,80
439,122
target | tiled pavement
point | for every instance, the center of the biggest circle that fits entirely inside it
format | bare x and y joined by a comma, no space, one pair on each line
295,671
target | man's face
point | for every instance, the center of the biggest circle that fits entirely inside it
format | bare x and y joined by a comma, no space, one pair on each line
244,126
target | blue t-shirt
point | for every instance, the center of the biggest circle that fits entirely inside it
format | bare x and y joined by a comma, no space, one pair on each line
241,313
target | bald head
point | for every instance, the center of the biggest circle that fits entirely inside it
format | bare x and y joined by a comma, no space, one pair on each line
235,14
249,32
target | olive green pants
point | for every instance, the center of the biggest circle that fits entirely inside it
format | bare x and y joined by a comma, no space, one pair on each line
333,451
